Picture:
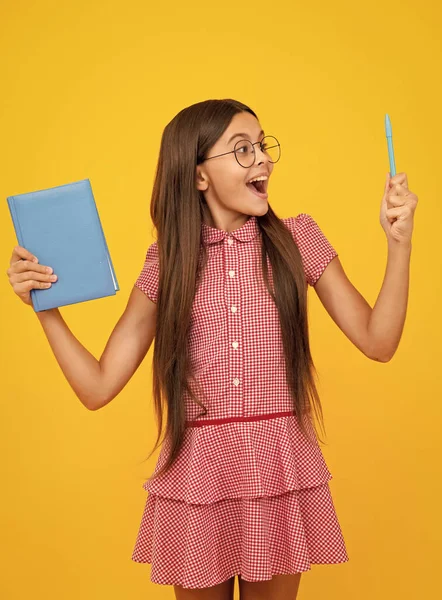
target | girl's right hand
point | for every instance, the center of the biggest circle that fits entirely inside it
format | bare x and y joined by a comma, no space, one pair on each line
26,274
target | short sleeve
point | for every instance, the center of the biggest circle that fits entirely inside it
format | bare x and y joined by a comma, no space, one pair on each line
315,249
147,280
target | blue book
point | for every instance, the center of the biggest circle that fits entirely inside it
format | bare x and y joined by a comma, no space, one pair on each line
62,228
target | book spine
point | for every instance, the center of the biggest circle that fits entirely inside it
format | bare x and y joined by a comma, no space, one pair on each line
111,266
18,231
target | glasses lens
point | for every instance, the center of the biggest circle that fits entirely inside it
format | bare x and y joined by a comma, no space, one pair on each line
244,153
271,148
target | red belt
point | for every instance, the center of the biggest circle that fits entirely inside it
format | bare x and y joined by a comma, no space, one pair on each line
200,423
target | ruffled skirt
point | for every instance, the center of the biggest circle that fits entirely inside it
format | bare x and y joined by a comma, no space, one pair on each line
201,545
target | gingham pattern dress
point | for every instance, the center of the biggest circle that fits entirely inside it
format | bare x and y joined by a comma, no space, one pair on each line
248,494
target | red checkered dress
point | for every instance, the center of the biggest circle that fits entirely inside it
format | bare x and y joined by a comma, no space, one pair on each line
248,494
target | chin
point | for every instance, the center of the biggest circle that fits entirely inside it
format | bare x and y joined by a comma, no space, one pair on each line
260,208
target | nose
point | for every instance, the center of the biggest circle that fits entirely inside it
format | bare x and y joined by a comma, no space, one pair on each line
259,154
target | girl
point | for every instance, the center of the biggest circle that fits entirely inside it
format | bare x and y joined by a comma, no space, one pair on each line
240,487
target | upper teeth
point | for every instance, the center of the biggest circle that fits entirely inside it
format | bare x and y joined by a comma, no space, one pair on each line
262,178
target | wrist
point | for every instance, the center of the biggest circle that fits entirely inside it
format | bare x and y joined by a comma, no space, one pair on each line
399,247
49,313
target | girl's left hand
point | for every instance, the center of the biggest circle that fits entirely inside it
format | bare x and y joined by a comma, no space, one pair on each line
397,209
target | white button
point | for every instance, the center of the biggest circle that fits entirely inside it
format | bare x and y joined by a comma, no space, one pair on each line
235,381
229,241
235,344
233,308
231,273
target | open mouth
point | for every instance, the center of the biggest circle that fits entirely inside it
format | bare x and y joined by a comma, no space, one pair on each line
259,188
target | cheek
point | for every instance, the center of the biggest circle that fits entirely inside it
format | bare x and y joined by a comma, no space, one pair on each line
231,181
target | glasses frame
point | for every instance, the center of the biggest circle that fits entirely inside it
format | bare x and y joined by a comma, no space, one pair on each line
254,153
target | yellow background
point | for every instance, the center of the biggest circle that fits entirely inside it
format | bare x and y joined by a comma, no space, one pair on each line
87,88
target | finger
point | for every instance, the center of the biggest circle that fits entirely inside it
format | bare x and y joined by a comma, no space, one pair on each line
399,190
23,265
393,214
396,200
30,284
400,212
31,276
19,253
400,178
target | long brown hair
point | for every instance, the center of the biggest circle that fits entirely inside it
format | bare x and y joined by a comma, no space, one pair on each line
177,209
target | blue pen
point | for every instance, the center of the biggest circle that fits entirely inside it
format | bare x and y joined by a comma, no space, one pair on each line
389,135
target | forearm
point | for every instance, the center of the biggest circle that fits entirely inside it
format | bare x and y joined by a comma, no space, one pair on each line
387,319
80,367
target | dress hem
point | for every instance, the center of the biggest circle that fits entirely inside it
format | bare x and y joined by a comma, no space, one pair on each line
164,582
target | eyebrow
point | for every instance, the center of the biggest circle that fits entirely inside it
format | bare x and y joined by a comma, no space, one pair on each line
243,134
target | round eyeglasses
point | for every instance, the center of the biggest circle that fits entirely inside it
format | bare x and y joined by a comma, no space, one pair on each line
245,153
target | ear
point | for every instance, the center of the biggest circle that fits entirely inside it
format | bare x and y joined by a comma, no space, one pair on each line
202,182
